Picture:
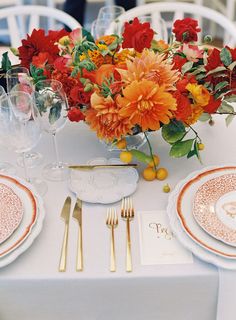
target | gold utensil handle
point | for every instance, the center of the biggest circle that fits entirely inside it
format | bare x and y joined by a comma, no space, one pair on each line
79,257
112,255
128,247
62,264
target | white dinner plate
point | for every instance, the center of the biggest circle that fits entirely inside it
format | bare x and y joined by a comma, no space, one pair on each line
103,185
183,224
28,198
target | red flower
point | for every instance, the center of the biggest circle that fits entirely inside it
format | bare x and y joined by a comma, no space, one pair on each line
183,110
37,43
179,61
213,60
186,30
181,84
40,60
60,64
137,35
75,114
212,105
78,95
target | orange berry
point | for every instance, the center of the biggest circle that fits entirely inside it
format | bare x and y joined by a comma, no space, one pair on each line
161,174
155,162
149,174
166,188
201,146
121,144
126,156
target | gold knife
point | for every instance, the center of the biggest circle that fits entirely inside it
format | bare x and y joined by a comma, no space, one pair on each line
65,215
77,215
94,166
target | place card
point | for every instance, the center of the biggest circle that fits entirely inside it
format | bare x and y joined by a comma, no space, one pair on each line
158,244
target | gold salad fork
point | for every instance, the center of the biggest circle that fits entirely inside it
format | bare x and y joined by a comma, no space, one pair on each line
112,223
127,213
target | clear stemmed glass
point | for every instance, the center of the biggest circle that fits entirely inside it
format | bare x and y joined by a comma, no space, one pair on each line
18,79
99,28
111,15
52,104
24,130
5,167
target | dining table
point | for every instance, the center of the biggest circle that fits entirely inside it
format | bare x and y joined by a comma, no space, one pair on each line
31,287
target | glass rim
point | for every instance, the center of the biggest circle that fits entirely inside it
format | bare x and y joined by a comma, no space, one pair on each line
60,85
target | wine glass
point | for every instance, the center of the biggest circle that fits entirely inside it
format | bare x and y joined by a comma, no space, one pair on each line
24,130
111,14
52,104
18,79
5,116
99,28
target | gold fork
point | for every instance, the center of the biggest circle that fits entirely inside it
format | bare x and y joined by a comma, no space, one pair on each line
112,223
127,213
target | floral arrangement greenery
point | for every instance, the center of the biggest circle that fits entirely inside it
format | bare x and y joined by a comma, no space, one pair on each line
123,85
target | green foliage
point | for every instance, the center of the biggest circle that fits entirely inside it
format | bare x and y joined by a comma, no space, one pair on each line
6,63
141,156
181,148
173,132
225,57
36,73
55,112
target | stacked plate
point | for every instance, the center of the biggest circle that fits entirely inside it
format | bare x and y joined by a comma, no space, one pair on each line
21,217
202,213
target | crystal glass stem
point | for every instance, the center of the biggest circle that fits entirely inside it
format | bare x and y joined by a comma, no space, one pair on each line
56,148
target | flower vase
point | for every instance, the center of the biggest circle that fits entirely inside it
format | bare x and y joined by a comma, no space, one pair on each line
136,141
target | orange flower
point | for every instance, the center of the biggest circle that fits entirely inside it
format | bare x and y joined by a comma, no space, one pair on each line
197,110
200,94
150,66
104,118
146,104
107,39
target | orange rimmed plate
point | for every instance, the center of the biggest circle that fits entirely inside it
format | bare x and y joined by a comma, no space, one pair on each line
214,207
29,217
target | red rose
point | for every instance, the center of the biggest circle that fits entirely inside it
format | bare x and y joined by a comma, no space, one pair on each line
186,30
213,60
181,84
137,35
78,95
74,114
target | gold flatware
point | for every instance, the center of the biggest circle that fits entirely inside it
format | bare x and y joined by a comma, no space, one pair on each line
65,215
112,223
127,213
77,215
96,166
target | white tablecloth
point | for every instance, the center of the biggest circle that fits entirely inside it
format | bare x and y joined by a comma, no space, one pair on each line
32,288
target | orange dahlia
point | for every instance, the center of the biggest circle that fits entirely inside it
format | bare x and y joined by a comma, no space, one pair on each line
197,110
147,104
151,66
104,118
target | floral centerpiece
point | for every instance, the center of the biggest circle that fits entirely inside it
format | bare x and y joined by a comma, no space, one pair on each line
123,85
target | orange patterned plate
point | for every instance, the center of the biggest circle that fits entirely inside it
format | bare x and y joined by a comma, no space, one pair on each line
214,207
23,202
11,211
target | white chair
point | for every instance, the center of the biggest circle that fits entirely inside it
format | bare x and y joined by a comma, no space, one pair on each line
180,10
34,13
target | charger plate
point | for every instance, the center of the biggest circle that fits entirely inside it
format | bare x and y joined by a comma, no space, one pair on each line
184,225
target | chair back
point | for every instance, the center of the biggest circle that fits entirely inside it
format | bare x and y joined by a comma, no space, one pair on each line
171,11
31,16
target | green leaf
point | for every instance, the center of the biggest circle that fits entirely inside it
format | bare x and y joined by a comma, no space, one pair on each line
229,119
86,34
181,148
231,98
232,65
173,132
225,57
205,117
226,107
191,154
221,85
55,113
218,69
6,63
186,67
